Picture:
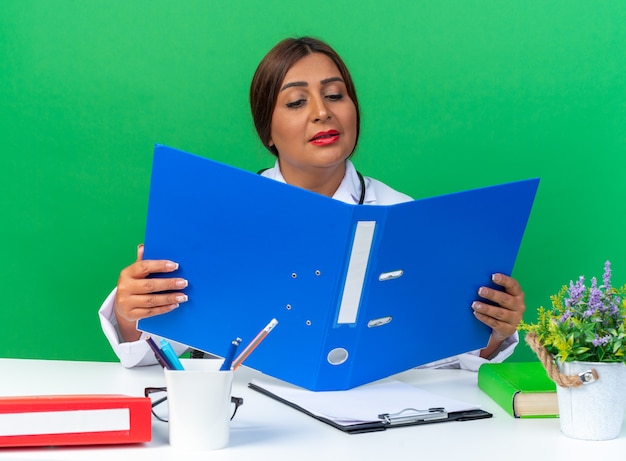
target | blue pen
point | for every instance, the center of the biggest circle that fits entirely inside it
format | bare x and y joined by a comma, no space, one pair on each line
228,360
171,355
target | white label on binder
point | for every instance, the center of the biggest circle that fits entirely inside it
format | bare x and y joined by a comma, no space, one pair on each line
64,422
357,266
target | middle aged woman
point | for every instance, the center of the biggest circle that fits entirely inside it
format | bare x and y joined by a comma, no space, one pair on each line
306,113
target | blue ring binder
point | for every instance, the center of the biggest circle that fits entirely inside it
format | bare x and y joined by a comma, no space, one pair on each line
239,237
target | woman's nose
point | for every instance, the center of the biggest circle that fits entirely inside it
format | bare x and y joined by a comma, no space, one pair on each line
319,111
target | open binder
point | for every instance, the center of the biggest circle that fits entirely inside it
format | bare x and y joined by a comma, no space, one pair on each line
360,292
381,406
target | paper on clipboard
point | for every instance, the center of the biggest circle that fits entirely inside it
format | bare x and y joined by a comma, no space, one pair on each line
363,404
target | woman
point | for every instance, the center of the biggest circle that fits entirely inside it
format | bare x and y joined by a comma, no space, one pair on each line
306,113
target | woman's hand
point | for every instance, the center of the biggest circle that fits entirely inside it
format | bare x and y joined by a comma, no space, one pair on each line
504,315
138,297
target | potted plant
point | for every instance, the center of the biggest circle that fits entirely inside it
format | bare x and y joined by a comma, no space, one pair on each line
581,342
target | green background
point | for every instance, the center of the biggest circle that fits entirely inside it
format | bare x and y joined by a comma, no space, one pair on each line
455,95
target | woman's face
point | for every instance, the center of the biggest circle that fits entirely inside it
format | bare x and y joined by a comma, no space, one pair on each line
314,121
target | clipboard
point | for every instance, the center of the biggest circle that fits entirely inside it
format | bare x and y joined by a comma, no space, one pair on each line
406,417
345,282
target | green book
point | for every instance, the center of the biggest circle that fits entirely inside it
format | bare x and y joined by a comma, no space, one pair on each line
523,389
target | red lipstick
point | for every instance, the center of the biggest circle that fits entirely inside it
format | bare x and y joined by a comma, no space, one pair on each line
324,138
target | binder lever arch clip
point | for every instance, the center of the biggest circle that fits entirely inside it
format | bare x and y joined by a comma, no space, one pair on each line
411,415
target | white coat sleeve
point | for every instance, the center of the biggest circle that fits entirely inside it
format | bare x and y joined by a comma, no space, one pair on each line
134,353
472,361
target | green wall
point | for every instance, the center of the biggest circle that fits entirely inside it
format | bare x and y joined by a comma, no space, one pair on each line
455,95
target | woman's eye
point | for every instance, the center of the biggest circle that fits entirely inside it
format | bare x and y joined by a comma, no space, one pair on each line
294,104
335,97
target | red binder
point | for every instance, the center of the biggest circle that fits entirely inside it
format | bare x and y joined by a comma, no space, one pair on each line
89,419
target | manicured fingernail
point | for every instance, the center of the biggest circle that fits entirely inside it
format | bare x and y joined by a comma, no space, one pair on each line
174,306
476,306
495,277
481,291
181,299
181,283
171,266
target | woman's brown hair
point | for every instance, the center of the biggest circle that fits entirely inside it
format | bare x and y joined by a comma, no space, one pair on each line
271,72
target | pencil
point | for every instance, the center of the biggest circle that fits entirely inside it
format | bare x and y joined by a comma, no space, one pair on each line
254,343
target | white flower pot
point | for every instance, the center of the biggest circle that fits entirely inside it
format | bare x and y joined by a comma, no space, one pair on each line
593,411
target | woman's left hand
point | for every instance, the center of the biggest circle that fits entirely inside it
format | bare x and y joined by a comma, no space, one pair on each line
507,310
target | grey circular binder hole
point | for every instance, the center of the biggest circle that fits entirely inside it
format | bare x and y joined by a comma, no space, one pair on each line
288,306
317,272
337,356
294,275
308,322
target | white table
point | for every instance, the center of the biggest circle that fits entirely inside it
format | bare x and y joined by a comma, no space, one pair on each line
265,429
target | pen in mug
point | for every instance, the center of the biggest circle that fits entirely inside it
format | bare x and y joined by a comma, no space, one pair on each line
171,355
158,353
254,343
228,360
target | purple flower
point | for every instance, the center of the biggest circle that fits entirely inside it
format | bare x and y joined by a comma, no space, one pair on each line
595,296
614,306
606,277
566,315
576,291
600,341
589,312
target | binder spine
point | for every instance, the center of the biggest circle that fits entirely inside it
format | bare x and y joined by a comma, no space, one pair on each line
58,420
337,370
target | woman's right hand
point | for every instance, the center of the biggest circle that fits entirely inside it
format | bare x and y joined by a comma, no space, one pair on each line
138,296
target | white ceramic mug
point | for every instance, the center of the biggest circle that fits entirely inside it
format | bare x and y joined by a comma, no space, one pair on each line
199,405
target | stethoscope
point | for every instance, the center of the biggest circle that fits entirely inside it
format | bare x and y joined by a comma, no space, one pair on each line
361,182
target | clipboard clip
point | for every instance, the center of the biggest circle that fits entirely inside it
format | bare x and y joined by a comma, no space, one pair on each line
411,415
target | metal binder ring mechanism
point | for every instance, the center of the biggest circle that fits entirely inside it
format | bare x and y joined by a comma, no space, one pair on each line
411,415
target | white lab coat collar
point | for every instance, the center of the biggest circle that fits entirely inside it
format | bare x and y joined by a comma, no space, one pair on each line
349,191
